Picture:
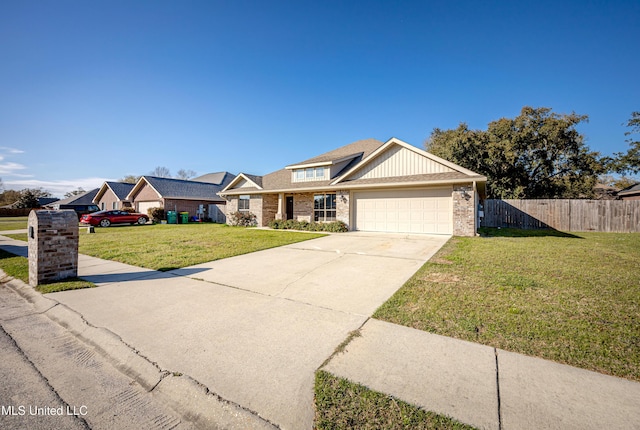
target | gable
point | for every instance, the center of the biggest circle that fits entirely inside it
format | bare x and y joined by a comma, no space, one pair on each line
243,183
145,192
244,180
396,161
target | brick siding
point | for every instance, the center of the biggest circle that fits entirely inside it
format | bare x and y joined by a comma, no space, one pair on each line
464,220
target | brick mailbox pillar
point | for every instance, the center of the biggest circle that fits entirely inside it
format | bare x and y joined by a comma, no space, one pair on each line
53,246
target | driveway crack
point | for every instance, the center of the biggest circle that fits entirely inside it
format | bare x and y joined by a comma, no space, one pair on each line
339,255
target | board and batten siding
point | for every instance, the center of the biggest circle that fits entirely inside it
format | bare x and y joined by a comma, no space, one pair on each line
400,161
611,216
244,184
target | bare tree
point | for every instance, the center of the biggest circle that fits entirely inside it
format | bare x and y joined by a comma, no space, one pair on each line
185,174
130,179
76,192
161,172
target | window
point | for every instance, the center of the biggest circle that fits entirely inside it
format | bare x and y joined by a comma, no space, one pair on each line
324,207
309,174
102,206
243,204
115,205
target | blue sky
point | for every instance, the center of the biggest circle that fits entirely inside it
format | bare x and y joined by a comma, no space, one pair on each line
91,91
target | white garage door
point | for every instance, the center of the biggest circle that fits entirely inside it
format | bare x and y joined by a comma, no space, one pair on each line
404,211
144,206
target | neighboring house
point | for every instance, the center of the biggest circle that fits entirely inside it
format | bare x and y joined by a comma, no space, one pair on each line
47,202
113,195
630,193
218,178
81,203
180,195
369,185
79,200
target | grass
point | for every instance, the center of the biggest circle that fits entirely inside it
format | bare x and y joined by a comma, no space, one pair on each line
341,404
172,246
13,223
574,299
167,246
18,267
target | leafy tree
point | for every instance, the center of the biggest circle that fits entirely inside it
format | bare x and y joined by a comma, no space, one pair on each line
76,192
185,174
629,162
161,172
130,179
9,197
538,154
29,198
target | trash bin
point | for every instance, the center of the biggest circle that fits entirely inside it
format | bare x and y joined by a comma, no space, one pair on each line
172,217
184,217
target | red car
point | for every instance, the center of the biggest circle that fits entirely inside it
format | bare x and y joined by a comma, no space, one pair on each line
106,218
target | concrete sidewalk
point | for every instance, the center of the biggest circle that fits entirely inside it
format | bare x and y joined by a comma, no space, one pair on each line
483,386
221,325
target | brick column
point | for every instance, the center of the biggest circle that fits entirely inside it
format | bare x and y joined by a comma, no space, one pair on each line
464,210
53,246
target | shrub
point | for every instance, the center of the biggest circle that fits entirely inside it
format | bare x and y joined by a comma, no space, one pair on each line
156,214
243,219
333,227
290,224
129,209
276,224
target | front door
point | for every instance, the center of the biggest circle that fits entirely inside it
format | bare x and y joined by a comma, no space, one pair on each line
289,207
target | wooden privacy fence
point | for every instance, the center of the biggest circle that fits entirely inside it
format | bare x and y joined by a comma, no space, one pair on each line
622,216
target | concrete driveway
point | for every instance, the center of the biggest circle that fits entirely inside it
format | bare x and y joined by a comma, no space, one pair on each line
254,328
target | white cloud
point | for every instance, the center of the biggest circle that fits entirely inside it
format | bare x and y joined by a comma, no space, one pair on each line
57,188
10,167
11,150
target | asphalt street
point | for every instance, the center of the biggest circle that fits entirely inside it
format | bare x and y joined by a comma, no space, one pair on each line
26,398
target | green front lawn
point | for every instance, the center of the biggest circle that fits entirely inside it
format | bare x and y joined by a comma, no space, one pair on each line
168,246
172,246
13,223
574,299
18,267
341,404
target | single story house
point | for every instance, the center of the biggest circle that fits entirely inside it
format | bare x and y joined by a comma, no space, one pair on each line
369,185
197,198
47,202
630,193
113,195
79,202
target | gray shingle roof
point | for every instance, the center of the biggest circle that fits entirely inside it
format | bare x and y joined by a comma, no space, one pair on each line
183,189
447,176
361,148
43,201
120,189
219,178
281,179
630,190
81,199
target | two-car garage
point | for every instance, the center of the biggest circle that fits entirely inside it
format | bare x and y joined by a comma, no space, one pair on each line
424,210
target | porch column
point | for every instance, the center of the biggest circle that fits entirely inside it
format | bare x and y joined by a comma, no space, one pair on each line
280,213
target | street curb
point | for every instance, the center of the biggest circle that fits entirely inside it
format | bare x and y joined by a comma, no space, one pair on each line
204,408
185,395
